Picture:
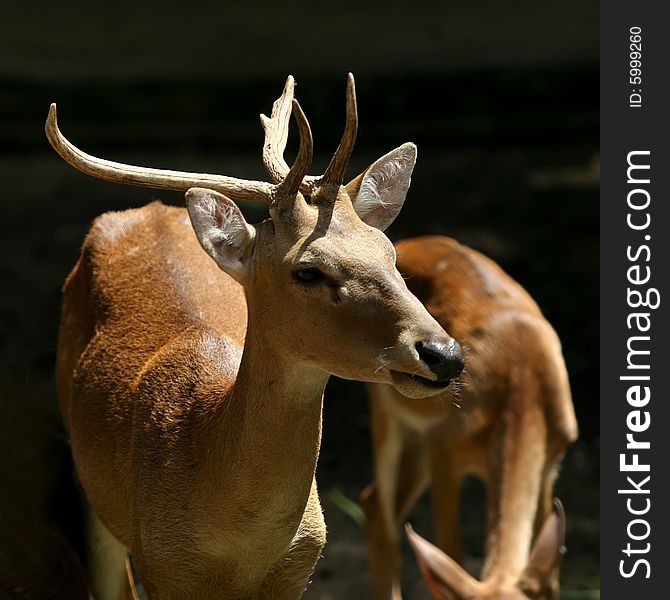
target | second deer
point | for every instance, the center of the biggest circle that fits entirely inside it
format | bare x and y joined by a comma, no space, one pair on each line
509,425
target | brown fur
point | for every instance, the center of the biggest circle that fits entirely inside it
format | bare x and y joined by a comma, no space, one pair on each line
509,424
195,434
192,388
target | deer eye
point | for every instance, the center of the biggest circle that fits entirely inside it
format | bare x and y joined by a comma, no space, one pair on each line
310,275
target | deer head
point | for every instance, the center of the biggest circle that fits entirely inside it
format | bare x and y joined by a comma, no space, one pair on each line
319,274
447,580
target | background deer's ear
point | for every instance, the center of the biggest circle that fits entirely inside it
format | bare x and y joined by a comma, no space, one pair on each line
221,230
548,549
379,193
445,579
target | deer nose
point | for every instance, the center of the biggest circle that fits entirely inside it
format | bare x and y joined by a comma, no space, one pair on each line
444,359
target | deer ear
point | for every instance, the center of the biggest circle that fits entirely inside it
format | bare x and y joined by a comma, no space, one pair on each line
379,193
548,548
221,230
445,578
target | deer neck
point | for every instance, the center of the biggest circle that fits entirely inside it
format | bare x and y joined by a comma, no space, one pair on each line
267,437
278,402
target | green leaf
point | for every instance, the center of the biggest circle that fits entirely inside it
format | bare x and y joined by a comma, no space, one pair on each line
348,506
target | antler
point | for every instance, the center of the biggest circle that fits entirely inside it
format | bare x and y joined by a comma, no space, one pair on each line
335,170
276,135
296,175
241,189
287,181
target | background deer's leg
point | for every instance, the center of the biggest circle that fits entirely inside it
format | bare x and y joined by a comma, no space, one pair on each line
516,466
413,476
401,475
446,479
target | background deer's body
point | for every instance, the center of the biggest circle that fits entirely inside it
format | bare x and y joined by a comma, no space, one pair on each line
172,351
511,424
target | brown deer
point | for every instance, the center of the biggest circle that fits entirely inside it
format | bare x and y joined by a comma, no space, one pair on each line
509,424
192,388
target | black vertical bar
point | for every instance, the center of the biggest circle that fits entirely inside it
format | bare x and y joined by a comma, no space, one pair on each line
635,128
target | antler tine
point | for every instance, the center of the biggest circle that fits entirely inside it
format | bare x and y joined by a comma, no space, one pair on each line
276,133
295,176
240,189
335,171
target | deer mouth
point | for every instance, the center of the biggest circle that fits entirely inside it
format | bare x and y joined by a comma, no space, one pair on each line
416,386
430,383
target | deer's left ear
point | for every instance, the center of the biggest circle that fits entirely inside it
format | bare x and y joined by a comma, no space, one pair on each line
379,193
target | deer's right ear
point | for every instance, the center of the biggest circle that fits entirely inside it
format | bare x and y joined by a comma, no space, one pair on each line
221,230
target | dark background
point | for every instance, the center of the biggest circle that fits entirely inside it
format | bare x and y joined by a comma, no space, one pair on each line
501,100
